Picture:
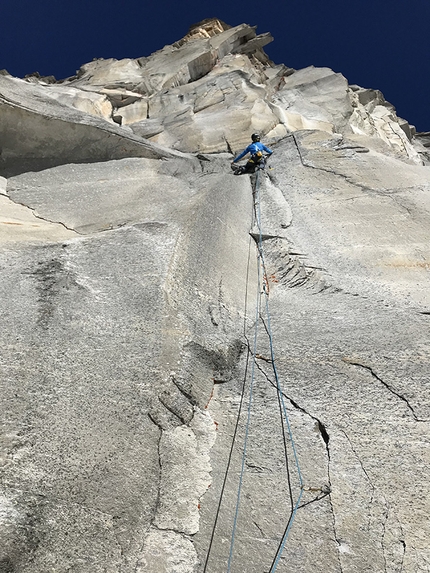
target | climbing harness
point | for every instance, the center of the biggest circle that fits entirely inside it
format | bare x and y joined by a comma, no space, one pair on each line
256,162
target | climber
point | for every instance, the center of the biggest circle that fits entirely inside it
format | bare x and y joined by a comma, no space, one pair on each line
257,159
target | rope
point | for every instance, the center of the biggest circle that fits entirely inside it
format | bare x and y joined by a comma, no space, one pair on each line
262,288
228,465
279,392
245,443
237,418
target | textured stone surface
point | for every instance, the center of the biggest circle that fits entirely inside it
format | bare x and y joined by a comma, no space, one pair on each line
20,223
38,131
352,352
314,98
92,197
92,331
128,297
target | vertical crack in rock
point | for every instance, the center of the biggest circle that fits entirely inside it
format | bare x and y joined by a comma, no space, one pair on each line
398,137
381,517
384,531
321,427
185,473
184,478
326,439
359,461
299,151
386,385
178,548
137,567
229,149
335,534
157,501
386,544
363,469
403,556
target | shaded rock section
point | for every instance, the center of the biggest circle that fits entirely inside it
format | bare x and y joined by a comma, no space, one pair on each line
37,131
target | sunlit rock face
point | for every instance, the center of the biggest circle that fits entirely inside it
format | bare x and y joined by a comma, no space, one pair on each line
204,93
135,314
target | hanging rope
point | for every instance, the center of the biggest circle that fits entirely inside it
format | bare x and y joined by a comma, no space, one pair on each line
236,428
262,290
248,419
280,394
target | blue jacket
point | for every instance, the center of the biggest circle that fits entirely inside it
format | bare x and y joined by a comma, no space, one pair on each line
253,148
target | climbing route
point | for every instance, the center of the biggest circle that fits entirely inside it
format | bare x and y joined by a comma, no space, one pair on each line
261,335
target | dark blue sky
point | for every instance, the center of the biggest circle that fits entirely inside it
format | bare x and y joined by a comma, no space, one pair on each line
382,44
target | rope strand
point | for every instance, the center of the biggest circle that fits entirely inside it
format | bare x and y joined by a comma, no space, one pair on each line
262,289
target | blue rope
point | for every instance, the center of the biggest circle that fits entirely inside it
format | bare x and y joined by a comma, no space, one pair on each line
281,394
261,264
285,536
278,386
245,443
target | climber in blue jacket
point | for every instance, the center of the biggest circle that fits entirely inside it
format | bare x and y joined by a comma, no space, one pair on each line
257,159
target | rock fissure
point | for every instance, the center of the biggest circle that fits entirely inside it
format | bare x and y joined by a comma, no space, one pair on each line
172,530
54,222
191,399
259,529
387,386
336,537
373,489
398,138
33,212
321,427
403,556
157,500
384,531
326,439
164,398
326,170
360,462
398,202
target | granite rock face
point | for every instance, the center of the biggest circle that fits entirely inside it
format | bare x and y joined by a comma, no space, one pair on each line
136,315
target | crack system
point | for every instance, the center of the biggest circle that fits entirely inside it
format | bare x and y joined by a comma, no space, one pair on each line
321,427
33,212
372,497
326,439
53,222
349,180
387,386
